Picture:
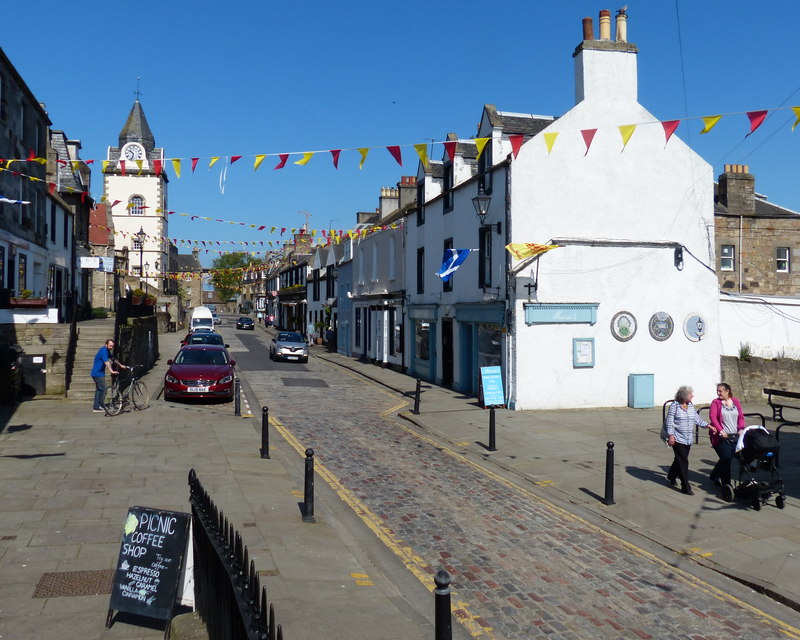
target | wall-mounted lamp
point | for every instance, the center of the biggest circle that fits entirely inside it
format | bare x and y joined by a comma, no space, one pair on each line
679,258
481,204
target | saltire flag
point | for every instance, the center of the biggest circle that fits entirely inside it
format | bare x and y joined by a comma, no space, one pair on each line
451,260
522,250
10,201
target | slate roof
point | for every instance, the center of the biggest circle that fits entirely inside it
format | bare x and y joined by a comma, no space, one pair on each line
527,124
136,129
67,178
188,262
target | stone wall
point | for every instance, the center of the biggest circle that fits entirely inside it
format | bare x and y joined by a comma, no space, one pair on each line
748,378
48,340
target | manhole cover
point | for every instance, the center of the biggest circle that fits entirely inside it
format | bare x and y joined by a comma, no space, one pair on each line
74,583
303,382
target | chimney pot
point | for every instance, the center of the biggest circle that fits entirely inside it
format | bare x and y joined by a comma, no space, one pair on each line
605,24
622,26
588,29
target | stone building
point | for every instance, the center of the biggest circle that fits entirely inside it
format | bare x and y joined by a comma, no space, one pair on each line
758,242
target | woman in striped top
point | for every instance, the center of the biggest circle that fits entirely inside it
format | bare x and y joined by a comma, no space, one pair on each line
681,420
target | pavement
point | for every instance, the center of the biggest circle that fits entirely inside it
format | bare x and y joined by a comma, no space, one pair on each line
69,476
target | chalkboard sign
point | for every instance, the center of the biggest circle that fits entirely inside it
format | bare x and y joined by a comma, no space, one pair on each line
149,564
492,387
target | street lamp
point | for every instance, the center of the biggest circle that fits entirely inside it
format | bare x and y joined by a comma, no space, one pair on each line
481,204
141,235
146,271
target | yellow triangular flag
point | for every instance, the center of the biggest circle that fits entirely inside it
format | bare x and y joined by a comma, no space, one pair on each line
364,151
422,152
139,164
176,166
259,160
550,140
709,122
306,157
797,115
480,143
75,165
213,161
626,131
105,166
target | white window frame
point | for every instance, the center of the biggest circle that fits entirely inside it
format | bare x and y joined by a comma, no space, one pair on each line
782,259
727,262
138,207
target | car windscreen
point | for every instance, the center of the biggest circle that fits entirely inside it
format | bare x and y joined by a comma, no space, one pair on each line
290,337
205,338
202,322
201,356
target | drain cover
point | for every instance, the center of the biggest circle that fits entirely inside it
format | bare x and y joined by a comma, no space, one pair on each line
304,382
74,583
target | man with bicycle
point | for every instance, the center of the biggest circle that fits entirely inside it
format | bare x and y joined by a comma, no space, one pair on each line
104,362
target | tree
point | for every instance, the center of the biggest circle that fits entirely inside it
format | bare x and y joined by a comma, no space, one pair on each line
227,274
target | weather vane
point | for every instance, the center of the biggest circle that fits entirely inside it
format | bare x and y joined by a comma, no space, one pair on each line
137,93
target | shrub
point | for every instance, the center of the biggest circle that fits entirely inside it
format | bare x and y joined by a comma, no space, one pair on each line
99,313
745,352
25,293
138,292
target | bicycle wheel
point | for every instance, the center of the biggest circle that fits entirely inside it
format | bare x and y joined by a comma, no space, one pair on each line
139,395
114,401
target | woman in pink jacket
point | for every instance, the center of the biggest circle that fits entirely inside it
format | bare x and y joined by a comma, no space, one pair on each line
727,420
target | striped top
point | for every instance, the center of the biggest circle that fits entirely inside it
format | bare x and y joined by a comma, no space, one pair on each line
680,422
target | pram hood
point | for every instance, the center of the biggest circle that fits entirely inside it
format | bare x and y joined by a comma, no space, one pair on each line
756,442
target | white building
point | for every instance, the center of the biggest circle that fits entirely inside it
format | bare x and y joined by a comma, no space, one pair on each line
135,186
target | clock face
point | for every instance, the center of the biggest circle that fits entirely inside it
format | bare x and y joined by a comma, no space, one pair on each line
133,152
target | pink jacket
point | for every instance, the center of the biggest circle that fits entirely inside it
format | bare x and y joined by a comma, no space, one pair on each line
715,417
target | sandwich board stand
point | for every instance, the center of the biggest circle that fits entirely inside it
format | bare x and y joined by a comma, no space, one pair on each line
149,564
492,387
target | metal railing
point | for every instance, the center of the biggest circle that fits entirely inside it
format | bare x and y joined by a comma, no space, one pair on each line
228,596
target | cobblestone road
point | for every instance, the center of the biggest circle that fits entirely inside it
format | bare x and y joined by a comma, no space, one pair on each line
522,567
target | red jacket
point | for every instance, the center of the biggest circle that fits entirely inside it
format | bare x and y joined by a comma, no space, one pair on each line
715,417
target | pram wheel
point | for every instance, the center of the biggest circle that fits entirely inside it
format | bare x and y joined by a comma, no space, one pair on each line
757,504
727,493
780,502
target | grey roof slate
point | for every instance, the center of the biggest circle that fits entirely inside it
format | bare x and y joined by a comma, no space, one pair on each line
136,129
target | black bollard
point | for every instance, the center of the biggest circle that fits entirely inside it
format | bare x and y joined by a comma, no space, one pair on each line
609,499
416,396
265,432
308,494
444,622
237,397
492,441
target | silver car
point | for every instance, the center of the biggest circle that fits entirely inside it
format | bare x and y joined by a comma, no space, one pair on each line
288,345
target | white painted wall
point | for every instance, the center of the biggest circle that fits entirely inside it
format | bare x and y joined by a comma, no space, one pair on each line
769,325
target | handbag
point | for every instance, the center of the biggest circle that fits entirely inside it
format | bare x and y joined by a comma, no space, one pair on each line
664,435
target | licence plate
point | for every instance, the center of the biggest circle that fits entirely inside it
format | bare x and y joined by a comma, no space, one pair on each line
292,357
198,389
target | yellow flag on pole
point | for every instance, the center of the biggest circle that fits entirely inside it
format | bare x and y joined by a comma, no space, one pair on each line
522,250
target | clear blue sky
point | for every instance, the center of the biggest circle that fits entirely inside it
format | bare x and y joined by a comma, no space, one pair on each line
249,77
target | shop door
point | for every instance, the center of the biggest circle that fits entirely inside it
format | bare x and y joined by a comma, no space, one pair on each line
447,352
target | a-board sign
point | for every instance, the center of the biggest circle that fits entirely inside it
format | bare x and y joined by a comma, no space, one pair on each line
492,387
149,564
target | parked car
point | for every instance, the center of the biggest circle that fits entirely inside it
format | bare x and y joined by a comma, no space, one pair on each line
288,345
245,323
204,337
216,318
196,331
200,371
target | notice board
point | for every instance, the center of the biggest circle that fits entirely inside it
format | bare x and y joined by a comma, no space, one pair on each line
149,565
492,387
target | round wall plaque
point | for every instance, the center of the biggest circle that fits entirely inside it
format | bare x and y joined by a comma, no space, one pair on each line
694,327
661,326
623,326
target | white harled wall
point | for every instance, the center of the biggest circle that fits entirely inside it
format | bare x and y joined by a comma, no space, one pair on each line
651,192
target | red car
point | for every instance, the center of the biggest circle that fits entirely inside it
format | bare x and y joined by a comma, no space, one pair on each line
200,371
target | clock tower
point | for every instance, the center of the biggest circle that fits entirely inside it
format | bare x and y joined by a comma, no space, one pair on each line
135,187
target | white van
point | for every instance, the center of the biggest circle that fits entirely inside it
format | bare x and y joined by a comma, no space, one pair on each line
201,319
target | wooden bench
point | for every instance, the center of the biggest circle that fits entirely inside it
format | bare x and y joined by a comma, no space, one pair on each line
778,406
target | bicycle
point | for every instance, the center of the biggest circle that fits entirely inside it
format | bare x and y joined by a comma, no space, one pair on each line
120,395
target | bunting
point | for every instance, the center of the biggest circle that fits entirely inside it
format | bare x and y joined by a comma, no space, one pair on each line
588,136
626,131
709,122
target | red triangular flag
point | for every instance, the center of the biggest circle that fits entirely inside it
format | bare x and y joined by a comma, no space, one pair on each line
157,167
83,196
450,147
516,142
261,228
52,186
31,155
284,157
396,154
588,136
669,128
756,119
88,161
283,230
335,153
234,158
122,167
194,163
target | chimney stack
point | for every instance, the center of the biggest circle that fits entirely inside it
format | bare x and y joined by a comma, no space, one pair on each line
605,24
407,190
737,190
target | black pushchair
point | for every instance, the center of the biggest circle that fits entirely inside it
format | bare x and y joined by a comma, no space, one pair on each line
758,479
